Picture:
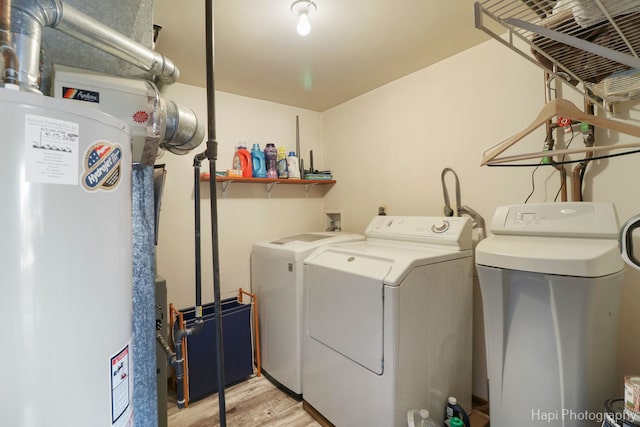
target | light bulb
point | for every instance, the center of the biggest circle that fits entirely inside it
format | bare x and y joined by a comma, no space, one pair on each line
304,27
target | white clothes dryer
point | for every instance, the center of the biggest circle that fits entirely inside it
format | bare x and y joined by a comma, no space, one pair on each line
276,280
389,322
551,279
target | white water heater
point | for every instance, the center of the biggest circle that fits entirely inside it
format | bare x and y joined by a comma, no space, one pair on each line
66,263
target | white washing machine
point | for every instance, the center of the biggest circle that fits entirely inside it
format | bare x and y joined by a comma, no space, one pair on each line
551,277
389,322
276,279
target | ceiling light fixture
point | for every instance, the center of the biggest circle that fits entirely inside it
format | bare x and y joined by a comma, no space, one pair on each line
302,8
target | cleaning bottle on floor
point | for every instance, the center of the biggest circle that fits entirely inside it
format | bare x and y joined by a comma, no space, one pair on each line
455,411
420,418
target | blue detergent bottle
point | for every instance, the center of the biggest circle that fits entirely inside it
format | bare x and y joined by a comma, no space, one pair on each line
258,165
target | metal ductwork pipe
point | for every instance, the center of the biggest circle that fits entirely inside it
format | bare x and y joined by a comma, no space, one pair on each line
29,17
84,28
183,131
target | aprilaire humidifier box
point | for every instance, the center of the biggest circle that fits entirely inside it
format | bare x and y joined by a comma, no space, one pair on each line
124,98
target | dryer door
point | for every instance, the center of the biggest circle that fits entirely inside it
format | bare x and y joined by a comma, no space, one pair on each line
344,295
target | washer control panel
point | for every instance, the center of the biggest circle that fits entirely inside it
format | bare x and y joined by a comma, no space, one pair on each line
449,231
563,219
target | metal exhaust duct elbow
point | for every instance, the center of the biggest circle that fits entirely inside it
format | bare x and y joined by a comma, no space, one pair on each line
29,17
183,131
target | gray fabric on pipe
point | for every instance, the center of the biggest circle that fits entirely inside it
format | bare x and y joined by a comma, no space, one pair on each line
145,396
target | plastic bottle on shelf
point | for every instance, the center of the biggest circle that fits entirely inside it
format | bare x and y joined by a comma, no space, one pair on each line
293,166
258,167
282,163
271,160
420,418
455,411
242,161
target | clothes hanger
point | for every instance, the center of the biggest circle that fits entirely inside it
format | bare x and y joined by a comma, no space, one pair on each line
562,108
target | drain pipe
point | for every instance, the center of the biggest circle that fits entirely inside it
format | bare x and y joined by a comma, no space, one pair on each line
9,57
212,154
29,17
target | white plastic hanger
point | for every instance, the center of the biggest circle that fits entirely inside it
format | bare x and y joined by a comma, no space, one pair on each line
566,109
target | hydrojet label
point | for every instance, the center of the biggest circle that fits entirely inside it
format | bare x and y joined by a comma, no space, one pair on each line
102,163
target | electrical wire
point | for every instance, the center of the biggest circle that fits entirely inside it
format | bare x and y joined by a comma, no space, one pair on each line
552,163
533,183
565,162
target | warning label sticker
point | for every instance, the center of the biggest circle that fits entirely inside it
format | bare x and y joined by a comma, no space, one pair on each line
51,150
121,414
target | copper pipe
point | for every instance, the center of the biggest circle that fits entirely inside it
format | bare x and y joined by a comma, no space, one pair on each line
9,57
254,302
549,142
579,170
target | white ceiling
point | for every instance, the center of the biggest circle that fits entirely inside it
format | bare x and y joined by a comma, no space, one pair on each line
354,45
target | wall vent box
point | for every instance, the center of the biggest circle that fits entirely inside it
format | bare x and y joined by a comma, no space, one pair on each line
202,352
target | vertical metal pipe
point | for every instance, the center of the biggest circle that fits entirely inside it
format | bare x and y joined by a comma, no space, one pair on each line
9,57
212,153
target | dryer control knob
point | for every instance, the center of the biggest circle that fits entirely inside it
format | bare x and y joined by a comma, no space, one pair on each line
440,228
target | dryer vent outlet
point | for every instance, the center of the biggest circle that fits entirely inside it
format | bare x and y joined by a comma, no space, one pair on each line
333,221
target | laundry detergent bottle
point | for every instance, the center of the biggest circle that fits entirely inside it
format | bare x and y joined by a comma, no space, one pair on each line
242,161
282,163
259,169
271,160
293,166
455,411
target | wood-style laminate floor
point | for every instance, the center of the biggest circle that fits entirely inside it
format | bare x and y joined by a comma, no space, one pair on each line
253,403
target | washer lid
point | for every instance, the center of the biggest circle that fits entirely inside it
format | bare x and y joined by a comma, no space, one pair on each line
562,256
399,258
304,242
566,238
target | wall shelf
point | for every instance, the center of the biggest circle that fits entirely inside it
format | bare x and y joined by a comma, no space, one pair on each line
269,182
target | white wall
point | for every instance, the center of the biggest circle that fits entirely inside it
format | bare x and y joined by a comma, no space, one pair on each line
389,147
246,215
